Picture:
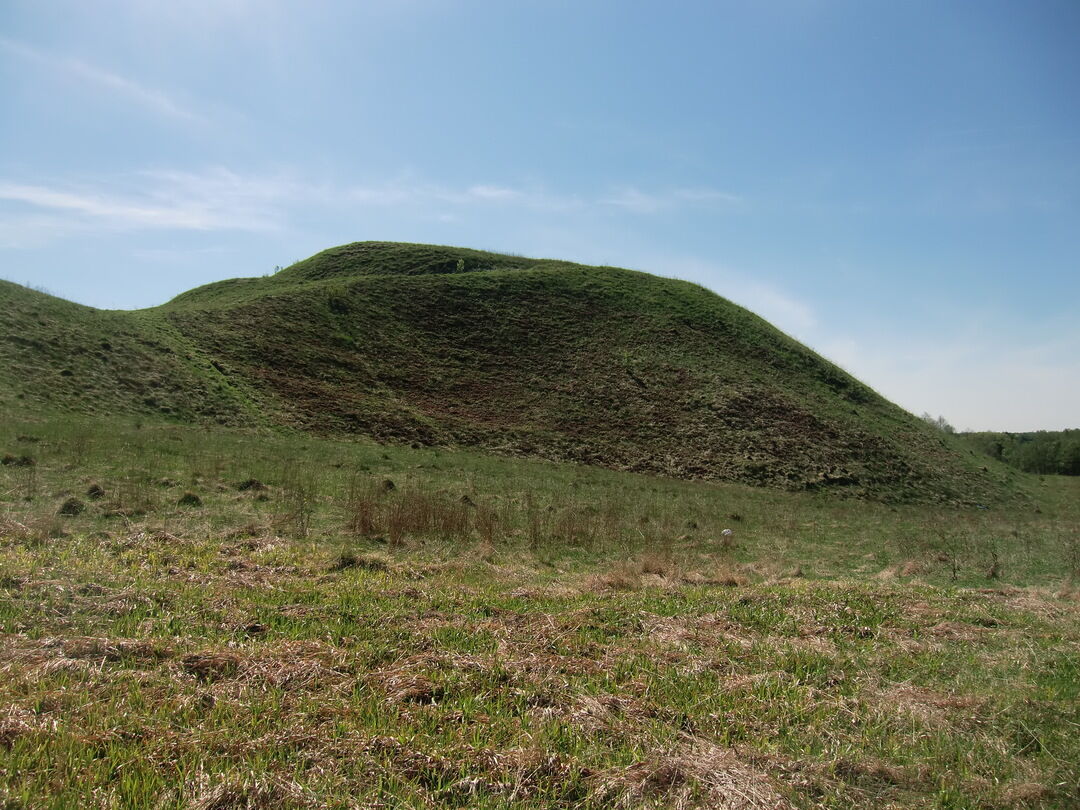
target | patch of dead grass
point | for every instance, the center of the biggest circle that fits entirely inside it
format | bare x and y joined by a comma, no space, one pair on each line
696,774
1026,794
298,665
544,592
405,687
660,570
77,653
931,707
16,722
956,631
211,792
33,530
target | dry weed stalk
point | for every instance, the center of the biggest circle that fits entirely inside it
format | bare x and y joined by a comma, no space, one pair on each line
375,510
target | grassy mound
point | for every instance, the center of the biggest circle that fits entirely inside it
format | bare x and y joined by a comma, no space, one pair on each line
445,346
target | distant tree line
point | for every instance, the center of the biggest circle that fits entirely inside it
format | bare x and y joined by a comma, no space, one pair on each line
1046,452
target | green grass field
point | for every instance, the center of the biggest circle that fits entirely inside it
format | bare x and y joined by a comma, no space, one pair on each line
211,618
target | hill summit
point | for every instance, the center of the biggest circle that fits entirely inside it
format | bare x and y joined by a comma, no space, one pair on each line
438,345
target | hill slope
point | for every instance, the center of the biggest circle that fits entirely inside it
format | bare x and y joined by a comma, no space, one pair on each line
437,345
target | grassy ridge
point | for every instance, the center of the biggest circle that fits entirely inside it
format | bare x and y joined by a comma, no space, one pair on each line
57,355
447,346
230,619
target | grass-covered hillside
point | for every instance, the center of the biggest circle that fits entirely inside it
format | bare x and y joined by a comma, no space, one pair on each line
439,346
60,356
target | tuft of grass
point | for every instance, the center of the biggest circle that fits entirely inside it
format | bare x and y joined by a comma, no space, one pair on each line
365,562
71,507
189,499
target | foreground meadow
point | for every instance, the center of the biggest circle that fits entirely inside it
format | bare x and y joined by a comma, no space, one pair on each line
211,619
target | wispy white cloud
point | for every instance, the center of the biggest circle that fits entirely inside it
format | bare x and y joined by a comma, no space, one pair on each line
213,200
219,199
626,198
149,98
484,192
120,212
408,191
634,199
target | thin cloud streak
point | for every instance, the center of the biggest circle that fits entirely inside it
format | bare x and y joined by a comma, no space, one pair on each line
494,193
215,200
406,192
219,199
637,201
109,209
147,97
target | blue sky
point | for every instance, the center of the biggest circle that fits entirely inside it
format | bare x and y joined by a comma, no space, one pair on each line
895,184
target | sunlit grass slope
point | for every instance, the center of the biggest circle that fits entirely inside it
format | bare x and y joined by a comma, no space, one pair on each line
445,346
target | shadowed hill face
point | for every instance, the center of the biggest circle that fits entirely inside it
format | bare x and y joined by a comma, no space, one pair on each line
604,366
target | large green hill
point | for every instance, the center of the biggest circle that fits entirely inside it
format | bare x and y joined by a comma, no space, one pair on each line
437,345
